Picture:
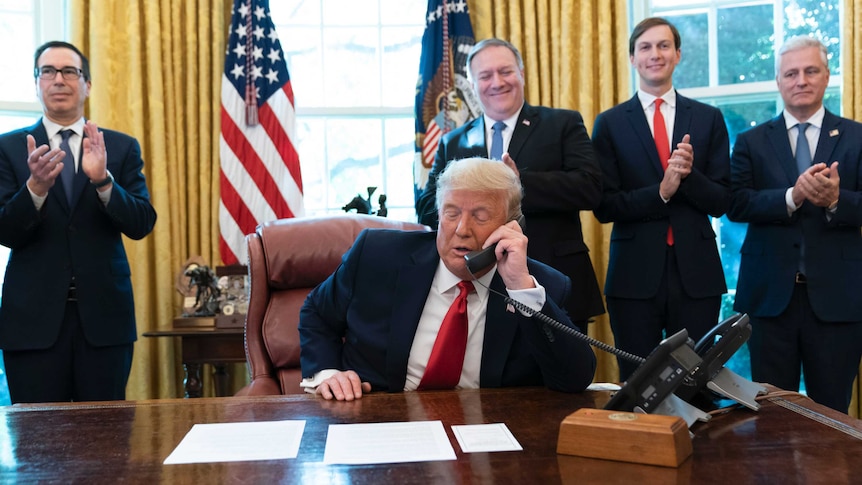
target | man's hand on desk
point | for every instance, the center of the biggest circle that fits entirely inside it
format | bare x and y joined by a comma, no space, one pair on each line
343,386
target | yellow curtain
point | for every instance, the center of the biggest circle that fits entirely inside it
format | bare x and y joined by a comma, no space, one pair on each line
575,57
156,73
851,67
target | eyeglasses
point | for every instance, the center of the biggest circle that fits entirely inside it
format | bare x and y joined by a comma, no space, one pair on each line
50,72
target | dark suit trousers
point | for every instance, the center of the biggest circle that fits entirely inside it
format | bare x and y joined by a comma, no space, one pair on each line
70,370
639,325
827,353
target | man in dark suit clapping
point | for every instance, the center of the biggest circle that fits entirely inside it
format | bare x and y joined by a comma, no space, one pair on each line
68,192
665,162
797,182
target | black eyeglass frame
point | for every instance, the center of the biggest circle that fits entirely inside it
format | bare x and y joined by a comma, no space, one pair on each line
69,73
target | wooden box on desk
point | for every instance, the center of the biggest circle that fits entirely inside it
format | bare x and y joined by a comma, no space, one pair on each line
621,436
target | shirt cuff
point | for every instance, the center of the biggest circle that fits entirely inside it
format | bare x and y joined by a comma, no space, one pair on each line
788,201
105,196
534,298
310,383
38,201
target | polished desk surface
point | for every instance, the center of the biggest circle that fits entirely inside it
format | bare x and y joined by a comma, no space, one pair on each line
128,441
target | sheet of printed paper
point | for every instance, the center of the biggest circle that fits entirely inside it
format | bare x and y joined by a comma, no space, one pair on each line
209,443
485,437
400,442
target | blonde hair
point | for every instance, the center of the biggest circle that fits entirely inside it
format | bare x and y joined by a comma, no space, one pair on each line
481,175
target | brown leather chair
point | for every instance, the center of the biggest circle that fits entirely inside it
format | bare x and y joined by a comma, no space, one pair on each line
287,259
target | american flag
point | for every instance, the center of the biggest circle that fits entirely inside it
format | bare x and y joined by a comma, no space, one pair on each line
260,177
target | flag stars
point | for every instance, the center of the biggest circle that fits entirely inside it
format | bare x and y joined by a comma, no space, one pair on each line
243,10
274,56
241,31
272,76
256,72
273,36
239,50
237,71
257,53
258,32
259,12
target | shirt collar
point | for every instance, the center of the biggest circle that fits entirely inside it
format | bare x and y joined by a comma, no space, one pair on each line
648,99
444,280
53,128
510,121
815,120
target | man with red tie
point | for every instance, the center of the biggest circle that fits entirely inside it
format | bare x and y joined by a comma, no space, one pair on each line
666,170
402,312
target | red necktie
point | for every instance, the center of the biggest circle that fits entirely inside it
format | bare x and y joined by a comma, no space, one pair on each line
663,146
447,355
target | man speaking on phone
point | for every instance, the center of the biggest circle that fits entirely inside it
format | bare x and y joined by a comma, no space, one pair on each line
398,315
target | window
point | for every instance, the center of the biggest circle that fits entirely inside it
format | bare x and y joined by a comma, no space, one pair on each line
24,24
353,68
728,60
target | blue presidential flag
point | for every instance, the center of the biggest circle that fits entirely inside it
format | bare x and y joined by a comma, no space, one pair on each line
444,97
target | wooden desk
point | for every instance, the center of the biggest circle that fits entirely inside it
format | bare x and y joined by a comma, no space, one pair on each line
128,441
206,345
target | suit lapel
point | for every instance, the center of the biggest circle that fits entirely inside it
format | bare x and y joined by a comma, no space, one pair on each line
528,122
40,135
830,134
407,307
640,126
777,135
474,141
682,122
500,329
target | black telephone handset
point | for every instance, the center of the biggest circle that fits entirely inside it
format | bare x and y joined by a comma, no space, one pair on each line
716,348
482,258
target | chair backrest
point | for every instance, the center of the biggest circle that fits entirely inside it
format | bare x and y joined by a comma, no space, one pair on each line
287,259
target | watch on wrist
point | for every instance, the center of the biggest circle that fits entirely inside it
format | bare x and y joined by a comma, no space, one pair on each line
108,180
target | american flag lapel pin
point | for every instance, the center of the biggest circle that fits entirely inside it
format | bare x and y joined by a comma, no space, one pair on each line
525,122
833,132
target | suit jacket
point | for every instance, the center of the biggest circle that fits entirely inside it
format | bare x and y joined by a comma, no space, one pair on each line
632,174
762,169
365,315
560,178
52,245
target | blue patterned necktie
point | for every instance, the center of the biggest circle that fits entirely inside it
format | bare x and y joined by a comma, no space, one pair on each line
497,140
68,174
803,161
803,152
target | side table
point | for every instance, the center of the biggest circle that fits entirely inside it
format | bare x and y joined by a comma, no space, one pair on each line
206,345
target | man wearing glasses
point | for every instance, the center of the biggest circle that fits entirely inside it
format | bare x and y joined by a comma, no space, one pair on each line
68,192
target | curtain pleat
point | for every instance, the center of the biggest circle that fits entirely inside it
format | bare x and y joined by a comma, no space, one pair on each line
156,70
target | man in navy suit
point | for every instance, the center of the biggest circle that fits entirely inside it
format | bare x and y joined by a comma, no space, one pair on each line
372,324
67,320
550,150
801,265
664,272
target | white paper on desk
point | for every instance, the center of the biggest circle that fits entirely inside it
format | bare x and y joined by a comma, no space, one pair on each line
474,438
262,440
401,442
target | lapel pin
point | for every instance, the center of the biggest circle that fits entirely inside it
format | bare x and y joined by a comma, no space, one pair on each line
525,122
833,133
510,308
